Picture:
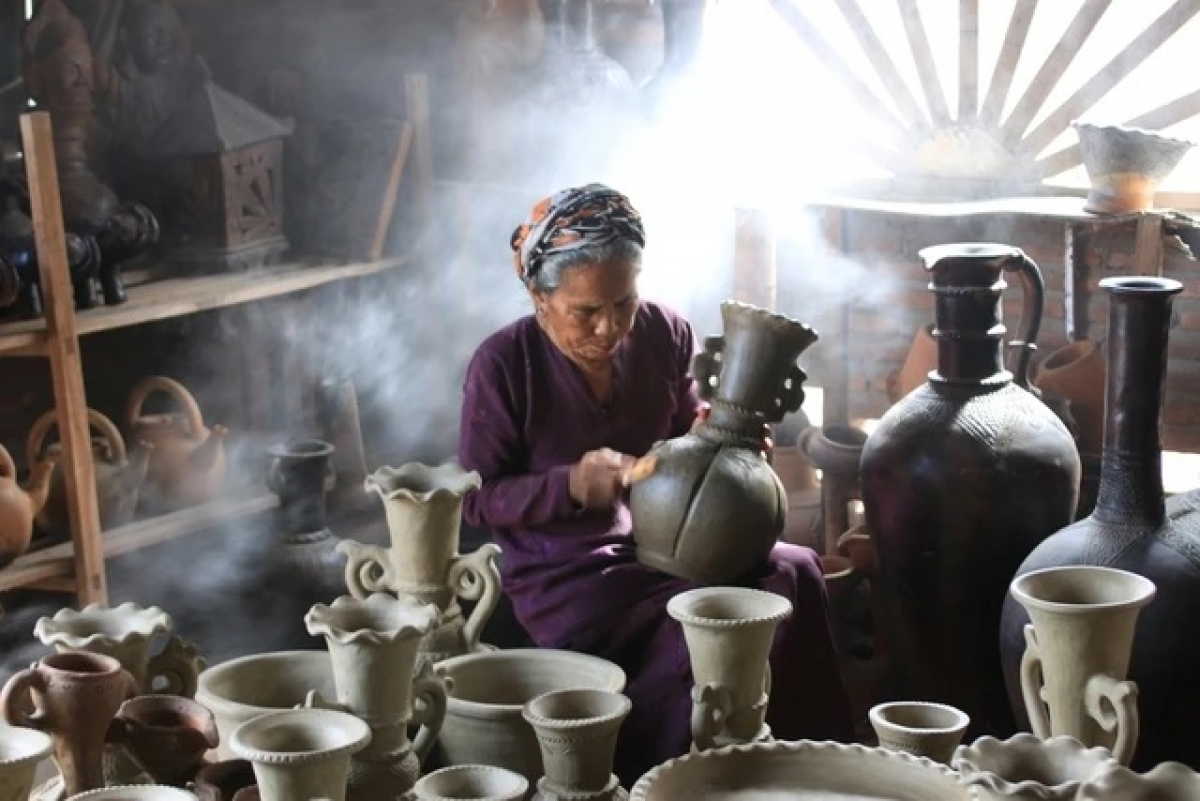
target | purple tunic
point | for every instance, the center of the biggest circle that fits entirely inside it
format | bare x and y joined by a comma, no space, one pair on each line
572,575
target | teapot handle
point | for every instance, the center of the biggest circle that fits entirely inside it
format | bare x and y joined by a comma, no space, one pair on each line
7,468
41,427
1033,288
159,383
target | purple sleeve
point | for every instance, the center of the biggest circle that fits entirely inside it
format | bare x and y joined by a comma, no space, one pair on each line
689,401
491,443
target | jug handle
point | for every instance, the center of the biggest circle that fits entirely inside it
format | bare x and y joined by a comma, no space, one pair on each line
710,706
158,383
1113,704
475,577
41,427
179,664
1033,288
20,685
430,689
1031,685
7,468
368,568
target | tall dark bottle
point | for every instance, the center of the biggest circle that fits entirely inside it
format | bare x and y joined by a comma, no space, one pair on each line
1133,529
961,479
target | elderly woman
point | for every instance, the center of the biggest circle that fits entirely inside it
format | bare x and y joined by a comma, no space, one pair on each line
557,407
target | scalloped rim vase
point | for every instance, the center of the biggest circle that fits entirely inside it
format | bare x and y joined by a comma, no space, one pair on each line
1027,768
123,632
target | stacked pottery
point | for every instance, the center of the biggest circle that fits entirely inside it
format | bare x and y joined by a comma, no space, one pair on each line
74,698
301,753
21,750
373,647
729,632
577,733
423,505
1077,654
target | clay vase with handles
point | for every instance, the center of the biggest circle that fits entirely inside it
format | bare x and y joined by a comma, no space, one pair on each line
119,474
75,697
19,505
187,466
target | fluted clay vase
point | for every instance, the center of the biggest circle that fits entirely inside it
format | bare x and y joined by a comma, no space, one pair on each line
188,463
74,697
19,505
221,781
712,508
1077,653
119,473
125,632
21,750
961,480
1076,373
423,505
474,782
1132,530
1028,768
135,792
920,361
1170,781
729,632
373,647
301,753
1125,166
167,736
921,728
577,733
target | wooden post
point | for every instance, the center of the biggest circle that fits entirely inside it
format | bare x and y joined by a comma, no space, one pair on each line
836,405
66,365
416,90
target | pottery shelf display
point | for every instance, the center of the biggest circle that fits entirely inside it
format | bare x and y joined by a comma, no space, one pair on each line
423,505
712,508
961,480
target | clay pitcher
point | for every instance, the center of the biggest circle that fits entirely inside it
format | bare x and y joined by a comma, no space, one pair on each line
712,508
187,465
167,736
301,753
1077,654
21,751
577,734
119,475
74,697
423,505
729,632
19,505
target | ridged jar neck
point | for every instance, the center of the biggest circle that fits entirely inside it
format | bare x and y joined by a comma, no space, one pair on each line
1139,322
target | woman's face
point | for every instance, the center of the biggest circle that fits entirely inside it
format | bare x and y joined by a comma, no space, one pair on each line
591,312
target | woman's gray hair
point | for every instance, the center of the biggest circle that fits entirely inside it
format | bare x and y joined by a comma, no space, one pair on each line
550,276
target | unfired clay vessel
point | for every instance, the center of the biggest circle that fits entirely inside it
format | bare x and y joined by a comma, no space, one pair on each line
474,782
167,736
1168,781
423,505
577,733
301,753
1125,165
1027,768
484,724
135,792
21,749
729,631
920,728
1077,653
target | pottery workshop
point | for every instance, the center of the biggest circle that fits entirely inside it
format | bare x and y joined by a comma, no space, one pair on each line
594,400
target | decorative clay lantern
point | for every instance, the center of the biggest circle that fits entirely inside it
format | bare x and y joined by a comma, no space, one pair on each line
224,208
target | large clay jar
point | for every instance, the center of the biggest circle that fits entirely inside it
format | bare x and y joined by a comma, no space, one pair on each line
713,508
18,505
187,465
118,475
961,480
1130,529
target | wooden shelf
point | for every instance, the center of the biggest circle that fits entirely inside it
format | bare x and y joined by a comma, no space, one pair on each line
176,297
1060,208
57,562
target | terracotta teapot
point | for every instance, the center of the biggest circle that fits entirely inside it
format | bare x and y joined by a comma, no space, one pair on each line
187,465
119,475
18,505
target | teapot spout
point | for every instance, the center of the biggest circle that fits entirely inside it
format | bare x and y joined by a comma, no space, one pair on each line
209,455
139,460
38,488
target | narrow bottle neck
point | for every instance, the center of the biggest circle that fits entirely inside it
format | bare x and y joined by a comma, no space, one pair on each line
970,334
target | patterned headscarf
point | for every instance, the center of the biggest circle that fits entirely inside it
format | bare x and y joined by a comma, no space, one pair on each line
574,218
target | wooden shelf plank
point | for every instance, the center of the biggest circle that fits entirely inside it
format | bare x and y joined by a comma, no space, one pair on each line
177,297
57,561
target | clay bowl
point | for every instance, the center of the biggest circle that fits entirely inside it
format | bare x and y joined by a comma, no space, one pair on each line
249,686
135,792
484,725
1126,165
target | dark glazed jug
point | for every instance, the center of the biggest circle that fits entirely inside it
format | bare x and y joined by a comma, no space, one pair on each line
713,507
960,481
1132,529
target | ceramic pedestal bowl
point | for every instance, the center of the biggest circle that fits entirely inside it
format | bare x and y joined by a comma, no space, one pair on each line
249,686
484,725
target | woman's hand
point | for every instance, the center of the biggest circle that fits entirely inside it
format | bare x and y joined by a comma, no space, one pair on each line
768,444
596,479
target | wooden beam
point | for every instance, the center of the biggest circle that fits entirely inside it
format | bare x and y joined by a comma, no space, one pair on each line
66,365
1006,63
388,207
416,93
922,53
1148,245
883,65
968,60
